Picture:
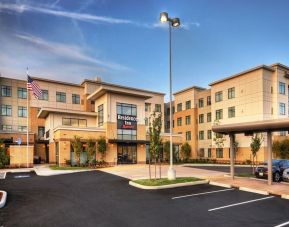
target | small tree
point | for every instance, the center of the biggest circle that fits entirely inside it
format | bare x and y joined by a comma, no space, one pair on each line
219,140
155,138
255,145
90,150
186,151
4,158
77,148
236,148
166,149
101,147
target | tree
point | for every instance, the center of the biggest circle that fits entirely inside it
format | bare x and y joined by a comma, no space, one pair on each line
77,148
90,150
186,151
255,145
101,146
166,149
236,148
4,158
281,148
219,140
155,128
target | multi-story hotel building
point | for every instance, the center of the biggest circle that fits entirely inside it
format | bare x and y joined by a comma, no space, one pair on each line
120,114
91,110
257,94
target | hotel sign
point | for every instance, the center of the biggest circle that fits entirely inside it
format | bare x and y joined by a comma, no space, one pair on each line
126,122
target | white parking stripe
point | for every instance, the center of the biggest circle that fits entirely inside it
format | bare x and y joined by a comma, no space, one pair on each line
203,193
283,224
237,204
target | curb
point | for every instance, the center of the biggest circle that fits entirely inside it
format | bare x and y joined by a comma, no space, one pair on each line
3,199
284,196
254,191
220,184
4,176
168,186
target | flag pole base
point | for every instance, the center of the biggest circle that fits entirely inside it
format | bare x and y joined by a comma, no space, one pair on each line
171,173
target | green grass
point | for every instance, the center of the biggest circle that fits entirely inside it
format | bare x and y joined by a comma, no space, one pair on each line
245,175
55,167
165,181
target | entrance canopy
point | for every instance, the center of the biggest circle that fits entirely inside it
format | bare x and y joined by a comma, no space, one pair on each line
254,126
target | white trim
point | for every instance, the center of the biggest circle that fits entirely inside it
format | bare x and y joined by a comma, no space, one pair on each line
203,193
237,204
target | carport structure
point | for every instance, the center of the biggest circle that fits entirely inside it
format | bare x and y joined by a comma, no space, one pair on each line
267,126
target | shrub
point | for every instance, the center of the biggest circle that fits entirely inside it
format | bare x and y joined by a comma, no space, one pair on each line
186,151
4,157
101,146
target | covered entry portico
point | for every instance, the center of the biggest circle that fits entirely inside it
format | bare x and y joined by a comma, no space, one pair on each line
267,126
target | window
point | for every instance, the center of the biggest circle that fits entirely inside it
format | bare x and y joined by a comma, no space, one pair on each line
201,152
6,91
188,135
219,135
219,114
75,99
147,107
168,111
208,100
174,109
126,109
209,152
22,128
179,121
173,123
41,131
282,108
201,103
231,112
281,88
100,115
201,118
22,111
146,121
75,122
22,93
179,107
231,93
219,152
188,120
6,127
6,110
158,108
219,96
168,124
201,135
44,95
60,96
209,117
209,136
92,102
188,104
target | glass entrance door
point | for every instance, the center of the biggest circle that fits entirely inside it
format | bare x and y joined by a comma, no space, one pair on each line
126,154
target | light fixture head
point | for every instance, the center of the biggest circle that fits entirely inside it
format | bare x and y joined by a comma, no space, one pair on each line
164,17
176,22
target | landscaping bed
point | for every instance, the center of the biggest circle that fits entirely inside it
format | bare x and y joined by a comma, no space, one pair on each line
165,181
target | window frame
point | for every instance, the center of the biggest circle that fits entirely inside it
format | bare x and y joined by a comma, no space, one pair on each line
75,99
231,109
6,91
219,96
61,97
231,93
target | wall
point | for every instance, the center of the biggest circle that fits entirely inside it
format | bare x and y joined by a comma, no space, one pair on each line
18,156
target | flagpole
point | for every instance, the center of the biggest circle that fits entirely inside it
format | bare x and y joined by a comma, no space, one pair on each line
27,136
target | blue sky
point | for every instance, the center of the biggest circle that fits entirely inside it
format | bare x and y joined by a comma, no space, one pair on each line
123,42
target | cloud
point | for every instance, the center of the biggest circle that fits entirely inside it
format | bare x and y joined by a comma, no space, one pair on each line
69,52
21,8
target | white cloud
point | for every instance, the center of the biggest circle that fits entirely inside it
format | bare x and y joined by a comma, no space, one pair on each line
68,52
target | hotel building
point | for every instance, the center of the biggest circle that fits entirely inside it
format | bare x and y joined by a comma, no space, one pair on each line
257,94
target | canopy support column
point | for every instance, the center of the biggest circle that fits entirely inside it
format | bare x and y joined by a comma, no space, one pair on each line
232,168
269,153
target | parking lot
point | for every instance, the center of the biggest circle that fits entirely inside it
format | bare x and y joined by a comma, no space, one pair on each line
101,199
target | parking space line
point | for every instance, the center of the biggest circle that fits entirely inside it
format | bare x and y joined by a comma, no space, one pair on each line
237,204
283,224
202,193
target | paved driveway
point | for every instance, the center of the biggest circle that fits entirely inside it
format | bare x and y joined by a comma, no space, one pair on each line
142,171
100,199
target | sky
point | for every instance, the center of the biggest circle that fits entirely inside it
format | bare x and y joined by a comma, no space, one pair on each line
122,41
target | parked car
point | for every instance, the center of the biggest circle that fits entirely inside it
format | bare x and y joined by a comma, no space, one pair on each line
278,167
285,175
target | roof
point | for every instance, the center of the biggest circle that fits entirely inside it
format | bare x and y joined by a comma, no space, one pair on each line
55,81
120,86
280,65
242,73
253,126
189,88
44,112
124,91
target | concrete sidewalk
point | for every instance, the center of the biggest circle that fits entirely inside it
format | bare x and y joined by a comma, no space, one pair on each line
253,185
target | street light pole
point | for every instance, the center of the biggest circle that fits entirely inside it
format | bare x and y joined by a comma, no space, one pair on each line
175,22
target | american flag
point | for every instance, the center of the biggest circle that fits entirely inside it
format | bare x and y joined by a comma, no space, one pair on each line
34,87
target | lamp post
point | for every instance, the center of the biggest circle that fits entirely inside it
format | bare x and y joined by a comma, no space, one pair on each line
173,22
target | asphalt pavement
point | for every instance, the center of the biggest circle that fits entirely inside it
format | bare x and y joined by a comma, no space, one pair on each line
101,199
